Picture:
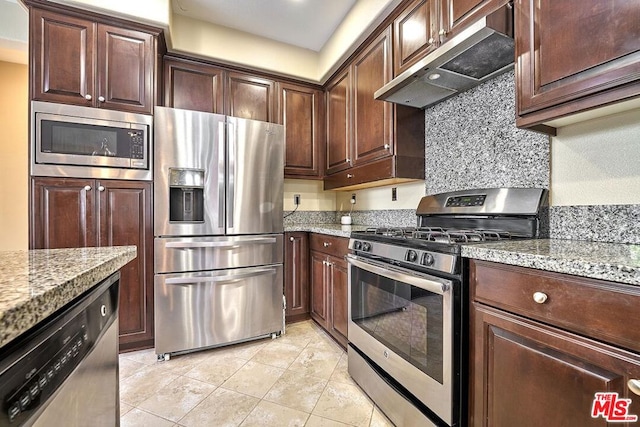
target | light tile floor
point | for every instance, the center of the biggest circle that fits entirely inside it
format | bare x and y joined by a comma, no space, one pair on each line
299,379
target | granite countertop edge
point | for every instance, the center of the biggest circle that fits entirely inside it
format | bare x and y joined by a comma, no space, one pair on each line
28,295
337,230
613,262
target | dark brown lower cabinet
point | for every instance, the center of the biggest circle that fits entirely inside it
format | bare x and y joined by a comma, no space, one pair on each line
329,285
296,275
70,212
532,373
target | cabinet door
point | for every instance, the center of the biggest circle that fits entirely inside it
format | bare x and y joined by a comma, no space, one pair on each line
301,111
569,49
319,290
250,97
296,275
62,53
415,33
125,69
529,375
338,100
456,15
62,213
339,300
193,86
372,119
125,219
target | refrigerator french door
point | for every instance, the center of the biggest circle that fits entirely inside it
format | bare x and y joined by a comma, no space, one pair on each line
218,196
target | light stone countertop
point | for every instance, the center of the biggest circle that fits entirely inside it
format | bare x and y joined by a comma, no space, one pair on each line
36,283
606,261
330,229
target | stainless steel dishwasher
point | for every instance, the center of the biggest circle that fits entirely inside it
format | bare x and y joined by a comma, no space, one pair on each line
64,371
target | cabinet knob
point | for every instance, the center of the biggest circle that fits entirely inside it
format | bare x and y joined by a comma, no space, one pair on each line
431,40
326,244
349,175
101,98
634,386
88,97
348,161
101,188
540,297
386,146
291,239
442,32
87,188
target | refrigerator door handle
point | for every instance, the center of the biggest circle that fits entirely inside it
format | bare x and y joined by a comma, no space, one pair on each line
232,147
227,278
221,173
224,245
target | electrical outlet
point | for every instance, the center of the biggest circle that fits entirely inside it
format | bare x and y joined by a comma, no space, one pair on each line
353,199
296,199
394,194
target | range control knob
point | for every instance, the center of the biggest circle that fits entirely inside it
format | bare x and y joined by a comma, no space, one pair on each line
427,259
366,246
357,245
412,256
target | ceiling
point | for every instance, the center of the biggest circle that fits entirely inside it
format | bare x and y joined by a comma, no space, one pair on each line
304,23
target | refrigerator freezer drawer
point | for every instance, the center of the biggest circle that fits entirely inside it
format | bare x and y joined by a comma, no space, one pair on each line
199,310
183,254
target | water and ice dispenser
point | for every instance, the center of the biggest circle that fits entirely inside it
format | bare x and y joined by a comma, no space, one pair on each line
186,195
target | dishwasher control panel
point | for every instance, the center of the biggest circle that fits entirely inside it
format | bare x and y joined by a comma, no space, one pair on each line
35,365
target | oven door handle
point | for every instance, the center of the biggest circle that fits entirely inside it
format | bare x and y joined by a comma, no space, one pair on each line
431,284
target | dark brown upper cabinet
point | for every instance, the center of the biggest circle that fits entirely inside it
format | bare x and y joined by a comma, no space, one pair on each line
193,86
250,97
415,33
301,111
83,62
338,98
456,15
574,55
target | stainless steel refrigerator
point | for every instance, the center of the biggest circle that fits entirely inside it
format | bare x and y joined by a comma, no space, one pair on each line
218,196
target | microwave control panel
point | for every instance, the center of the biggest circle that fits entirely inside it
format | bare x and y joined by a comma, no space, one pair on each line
137,144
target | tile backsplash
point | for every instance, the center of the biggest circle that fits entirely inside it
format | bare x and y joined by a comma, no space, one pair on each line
472,142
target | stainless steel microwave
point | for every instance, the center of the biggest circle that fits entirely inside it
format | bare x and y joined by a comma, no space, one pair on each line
85,142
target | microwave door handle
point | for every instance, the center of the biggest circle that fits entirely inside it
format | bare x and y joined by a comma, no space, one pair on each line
227,278
438,286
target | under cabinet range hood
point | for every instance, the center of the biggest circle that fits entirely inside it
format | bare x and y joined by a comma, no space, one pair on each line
480,52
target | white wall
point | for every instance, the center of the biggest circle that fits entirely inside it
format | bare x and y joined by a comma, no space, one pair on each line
153,12
312,196
379,198
597,162
14,218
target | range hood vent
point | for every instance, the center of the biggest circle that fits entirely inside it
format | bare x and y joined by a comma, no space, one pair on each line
482,51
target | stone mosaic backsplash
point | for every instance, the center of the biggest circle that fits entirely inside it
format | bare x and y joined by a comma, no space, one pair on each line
472,142
602,223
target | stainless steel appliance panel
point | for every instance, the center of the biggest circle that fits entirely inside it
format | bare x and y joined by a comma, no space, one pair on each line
131,161
419,359
205,309
189,141
182,254
395,406
82,400
255,185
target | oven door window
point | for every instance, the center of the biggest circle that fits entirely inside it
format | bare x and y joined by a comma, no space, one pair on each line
405,318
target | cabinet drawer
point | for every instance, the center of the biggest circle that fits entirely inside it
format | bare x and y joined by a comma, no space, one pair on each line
331,245
599,309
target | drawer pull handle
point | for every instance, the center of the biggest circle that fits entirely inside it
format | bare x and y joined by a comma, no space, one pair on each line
634,386
540,297
326,244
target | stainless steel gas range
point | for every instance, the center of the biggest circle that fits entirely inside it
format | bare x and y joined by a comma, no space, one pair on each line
408,301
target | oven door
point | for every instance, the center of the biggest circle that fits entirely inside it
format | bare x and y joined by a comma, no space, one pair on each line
402,321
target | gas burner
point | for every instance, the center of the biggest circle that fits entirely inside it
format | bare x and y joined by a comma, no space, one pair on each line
440,235
404,232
